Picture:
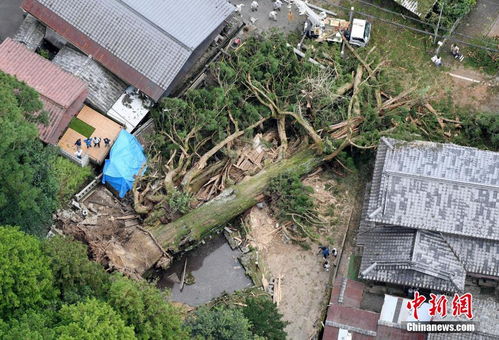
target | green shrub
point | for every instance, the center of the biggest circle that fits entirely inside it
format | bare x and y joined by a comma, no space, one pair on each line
28,193
32,325
71,178
75,275
44,53
452,10
266,321
92,319
26,281
288,195
146,308
219,323
485,60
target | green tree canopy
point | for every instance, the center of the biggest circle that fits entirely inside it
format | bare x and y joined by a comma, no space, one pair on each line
75,275
28,190
26,280
32,325
90,320
147,309
220,323
266,321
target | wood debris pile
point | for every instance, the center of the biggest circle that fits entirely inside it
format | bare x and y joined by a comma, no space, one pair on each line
112,231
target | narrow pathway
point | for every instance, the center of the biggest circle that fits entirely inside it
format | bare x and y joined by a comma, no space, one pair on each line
11,17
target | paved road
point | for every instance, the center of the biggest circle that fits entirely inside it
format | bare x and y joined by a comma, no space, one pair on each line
11,16
288,19
483,19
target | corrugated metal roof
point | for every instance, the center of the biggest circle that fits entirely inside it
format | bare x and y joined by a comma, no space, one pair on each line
418,7
154,37
46,78
188,21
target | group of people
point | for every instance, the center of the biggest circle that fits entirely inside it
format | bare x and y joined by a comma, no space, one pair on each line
277,4
324,250
454,50
88,142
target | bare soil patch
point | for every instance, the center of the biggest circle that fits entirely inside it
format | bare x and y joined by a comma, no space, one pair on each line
483,96
305,284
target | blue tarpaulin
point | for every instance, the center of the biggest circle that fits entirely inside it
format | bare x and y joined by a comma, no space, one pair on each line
125,161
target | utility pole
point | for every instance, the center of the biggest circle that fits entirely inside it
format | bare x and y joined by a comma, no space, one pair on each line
438,24
350,20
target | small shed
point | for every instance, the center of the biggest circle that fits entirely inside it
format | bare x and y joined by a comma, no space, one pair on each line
419,7
126,160
61,93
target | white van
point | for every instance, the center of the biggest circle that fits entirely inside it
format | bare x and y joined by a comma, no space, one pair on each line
360,33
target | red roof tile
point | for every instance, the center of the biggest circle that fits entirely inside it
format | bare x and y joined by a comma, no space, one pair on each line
392,333
39,73
354,317
61,93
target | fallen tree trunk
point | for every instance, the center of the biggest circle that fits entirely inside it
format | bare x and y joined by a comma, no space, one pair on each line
191,227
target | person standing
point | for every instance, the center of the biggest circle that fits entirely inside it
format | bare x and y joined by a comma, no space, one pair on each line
78,144
106,142
239,9
273,15
325,251
254,6
88,141
277,5
78,153
96,142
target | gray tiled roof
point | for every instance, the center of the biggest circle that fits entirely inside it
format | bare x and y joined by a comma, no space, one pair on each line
477,255
439,187
30,33
412,258
433,256
398,244
485,312
104,88
154,37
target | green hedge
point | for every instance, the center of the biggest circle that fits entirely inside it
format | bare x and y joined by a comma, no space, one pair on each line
71,178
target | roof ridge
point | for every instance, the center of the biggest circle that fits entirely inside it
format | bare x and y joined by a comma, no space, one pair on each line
439,179
156,26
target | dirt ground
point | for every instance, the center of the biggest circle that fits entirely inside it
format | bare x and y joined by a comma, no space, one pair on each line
471,88
305,286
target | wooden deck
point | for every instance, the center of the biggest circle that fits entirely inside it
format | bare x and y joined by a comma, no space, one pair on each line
104,127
